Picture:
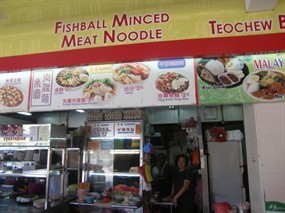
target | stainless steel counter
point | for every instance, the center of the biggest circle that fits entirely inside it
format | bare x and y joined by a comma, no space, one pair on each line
10,205
112,205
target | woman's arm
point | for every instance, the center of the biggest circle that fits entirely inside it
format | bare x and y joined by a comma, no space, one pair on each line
186,185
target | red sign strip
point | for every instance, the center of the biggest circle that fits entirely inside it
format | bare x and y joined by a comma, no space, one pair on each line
147,51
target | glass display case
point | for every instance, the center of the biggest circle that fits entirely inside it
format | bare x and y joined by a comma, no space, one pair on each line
34,151
112,155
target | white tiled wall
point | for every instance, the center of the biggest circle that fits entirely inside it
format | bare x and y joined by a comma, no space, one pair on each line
265,139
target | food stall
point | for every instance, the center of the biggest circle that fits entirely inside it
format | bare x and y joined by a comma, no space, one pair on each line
91,60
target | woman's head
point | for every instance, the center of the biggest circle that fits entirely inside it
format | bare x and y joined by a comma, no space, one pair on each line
20,186
182,162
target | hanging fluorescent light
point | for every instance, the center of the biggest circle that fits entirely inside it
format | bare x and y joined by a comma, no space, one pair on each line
125,151
80,110
25,113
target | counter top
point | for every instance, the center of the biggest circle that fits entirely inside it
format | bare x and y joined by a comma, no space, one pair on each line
111,204
12,206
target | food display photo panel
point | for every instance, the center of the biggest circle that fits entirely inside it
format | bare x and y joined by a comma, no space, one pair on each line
133,84
172,83
14,91
240,79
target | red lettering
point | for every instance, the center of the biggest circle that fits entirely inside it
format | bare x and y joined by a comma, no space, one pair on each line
68,42
220,28
133,36
91,25
67,28
83,26
156,18
256,25
79,41
122,37
58,25
107,36
266,25
164,17
75,27
248,26
228,28
145,19
281,21
212,26
119,22
237,27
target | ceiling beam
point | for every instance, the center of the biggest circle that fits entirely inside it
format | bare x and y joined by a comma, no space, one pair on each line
260,5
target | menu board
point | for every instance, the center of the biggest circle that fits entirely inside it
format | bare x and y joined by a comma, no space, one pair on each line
136,84
128,129
241,79
103,129
14,91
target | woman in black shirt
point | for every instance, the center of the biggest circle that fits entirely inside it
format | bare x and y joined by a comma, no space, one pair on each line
183,187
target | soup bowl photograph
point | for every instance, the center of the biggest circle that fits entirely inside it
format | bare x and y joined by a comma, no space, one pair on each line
72,78
265,85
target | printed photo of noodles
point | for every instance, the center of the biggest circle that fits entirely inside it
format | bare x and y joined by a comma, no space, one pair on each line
131,73
99,90
72,77
172,82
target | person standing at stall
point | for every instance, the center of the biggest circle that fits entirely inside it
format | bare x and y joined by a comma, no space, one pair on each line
162,181
183,187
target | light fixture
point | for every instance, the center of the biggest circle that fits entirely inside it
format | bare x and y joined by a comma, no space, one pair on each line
80,110
124,151
171,107
25,113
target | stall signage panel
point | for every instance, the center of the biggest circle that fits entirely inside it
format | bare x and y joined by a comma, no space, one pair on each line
241,79
101,129
128,129
89,25
24,133
14,133
14,91
41,88
137,84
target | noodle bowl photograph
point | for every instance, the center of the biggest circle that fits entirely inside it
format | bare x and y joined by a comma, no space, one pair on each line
131,73
72,77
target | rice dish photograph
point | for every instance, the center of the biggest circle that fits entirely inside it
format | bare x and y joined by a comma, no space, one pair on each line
265,85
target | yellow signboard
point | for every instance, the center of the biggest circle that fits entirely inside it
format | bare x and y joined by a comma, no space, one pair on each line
31,27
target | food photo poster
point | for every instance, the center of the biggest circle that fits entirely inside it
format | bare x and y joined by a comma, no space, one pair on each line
241,79
136,84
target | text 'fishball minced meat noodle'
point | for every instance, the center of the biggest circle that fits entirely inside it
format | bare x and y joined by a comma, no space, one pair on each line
172,82
10,96
131,73
265,85
72,77
99,90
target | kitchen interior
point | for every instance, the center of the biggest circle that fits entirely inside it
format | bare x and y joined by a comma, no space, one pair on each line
169,130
